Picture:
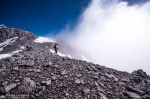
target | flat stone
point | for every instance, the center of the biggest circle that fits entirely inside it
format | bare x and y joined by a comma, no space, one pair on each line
64,72
50,63
54,77
66,93
77,81
124,80
55,66
103,96
10,87
16,68
78,75
29,84
135,90
95,77
46,83
86,91
5,83
132,95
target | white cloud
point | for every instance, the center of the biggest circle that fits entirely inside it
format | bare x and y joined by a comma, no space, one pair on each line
114,34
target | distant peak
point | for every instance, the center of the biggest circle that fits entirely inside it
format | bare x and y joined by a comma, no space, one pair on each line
3,26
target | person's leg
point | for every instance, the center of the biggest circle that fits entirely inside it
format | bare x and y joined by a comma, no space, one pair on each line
56,52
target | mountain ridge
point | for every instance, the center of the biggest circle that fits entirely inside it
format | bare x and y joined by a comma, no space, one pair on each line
26,38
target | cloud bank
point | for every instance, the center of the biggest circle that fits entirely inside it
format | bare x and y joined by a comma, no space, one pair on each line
114,34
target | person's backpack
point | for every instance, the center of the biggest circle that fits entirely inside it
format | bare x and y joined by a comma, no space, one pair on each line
55,46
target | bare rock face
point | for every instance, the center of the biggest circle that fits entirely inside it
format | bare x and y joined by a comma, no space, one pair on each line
35,73
140,73
6,33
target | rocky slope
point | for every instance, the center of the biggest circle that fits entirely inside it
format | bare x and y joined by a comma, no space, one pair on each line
32,72
12,40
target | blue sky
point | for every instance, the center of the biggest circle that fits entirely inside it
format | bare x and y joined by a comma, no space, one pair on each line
42,16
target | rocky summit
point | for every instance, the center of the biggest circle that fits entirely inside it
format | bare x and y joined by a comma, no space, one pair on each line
29,69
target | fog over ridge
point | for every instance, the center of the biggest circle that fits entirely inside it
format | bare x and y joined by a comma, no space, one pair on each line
114,34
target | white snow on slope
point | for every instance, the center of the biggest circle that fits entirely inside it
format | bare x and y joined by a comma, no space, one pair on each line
7,42
83,57
9,54
52,51
5,55
69,56
16,51
44,39
2,25
60,54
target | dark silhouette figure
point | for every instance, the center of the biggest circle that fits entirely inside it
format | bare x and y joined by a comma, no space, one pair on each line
55,48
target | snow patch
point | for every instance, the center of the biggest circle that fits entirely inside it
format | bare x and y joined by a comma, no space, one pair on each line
69,56
2,26
52,51
27,32
8,55
7,42
44,39
5,55
16,51
60,54
85,58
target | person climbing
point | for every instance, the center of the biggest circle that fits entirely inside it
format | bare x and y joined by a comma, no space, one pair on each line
55,48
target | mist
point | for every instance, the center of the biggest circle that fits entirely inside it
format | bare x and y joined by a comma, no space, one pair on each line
114,34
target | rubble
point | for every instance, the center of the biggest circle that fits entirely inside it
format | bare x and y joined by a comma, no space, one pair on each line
35,73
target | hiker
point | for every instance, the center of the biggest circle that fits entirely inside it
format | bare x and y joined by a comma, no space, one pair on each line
55,48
